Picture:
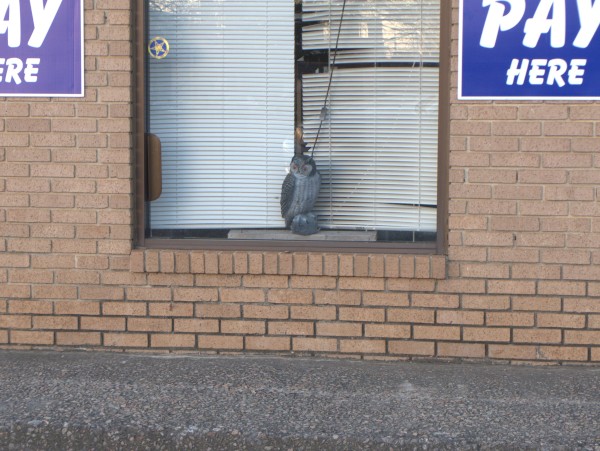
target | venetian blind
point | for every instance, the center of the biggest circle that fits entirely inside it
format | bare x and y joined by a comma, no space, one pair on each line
222,104
377,150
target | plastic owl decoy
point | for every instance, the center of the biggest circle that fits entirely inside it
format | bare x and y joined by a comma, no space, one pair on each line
299,193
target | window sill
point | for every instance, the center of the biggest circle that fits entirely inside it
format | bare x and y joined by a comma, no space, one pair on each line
288,263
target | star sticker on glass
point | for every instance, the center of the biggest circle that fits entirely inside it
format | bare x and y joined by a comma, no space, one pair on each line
158,48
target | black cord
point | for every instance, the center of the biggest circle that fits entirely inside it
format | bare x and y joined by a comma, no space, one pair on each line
324,112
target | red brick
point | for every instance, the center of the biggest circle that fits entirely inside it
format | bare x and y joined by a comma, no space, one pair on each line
486,302
436,332
563,353
486,334
148,294
182,280
124,308
533,304
512,352
182,262
301,344
126,340
77,277
336,297
286,263
94,262
466,350
313,282
218,311
485,270
509,319
195,325
225,263
36,307
411,316
76,307
170,309
265,281
255,263
562,321
196,294
385,299
220,280
172,341
361,265
330,265
423,285
562,288
313,312
268,343
31,337
105,293
291,328
55,322
15,321
511,287
387,331
290,296
537,336
417,348
361,283
211,263
242,295
78,338
220,342
266,311
435,300
102,323
315,264
582,337
459,317
362,346
339,329
361,314
150,324
243,327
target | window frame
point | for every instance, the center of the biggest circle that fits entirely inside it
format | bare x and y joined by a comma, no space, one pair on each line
140,162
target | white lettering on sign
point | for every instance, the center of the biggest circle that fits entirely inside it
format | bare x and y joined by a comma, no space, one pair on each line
12,24
497,21
540,71
589,17
11,68
43,17
541,23
549,17
42,20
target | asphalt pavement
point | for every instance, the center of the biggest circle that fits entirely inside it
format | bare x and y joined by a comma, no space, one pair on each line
97,401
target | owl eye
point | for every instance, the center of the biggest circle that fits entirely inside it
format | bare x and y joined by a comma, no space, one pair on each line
294,167
306,169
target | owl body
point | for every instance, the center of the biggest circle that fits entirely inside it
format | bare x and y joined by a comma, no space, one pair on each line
305,224
300,188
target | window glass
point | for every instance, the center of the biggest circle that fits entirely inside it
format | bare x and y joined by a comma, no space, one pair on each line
248,84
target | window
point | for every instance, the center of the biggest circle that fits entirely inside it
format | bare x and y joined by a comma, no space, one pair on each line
246,84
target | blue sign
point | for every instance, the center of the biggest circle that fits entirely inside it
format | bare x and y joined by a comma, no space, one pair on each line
41,48
529,49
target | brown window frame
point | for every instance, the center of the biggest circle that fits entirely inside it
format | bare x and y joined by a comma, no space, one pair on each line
141,162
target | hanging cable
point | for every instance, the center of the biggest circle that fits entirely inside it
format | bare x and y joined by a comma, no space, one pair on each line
324,112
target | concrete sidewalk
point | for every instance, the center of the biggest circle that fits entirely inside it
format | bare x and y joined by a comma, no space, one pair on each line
51,400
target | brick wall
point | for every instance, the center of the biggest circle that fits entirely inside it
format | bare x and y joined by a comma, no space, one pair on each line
520,280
